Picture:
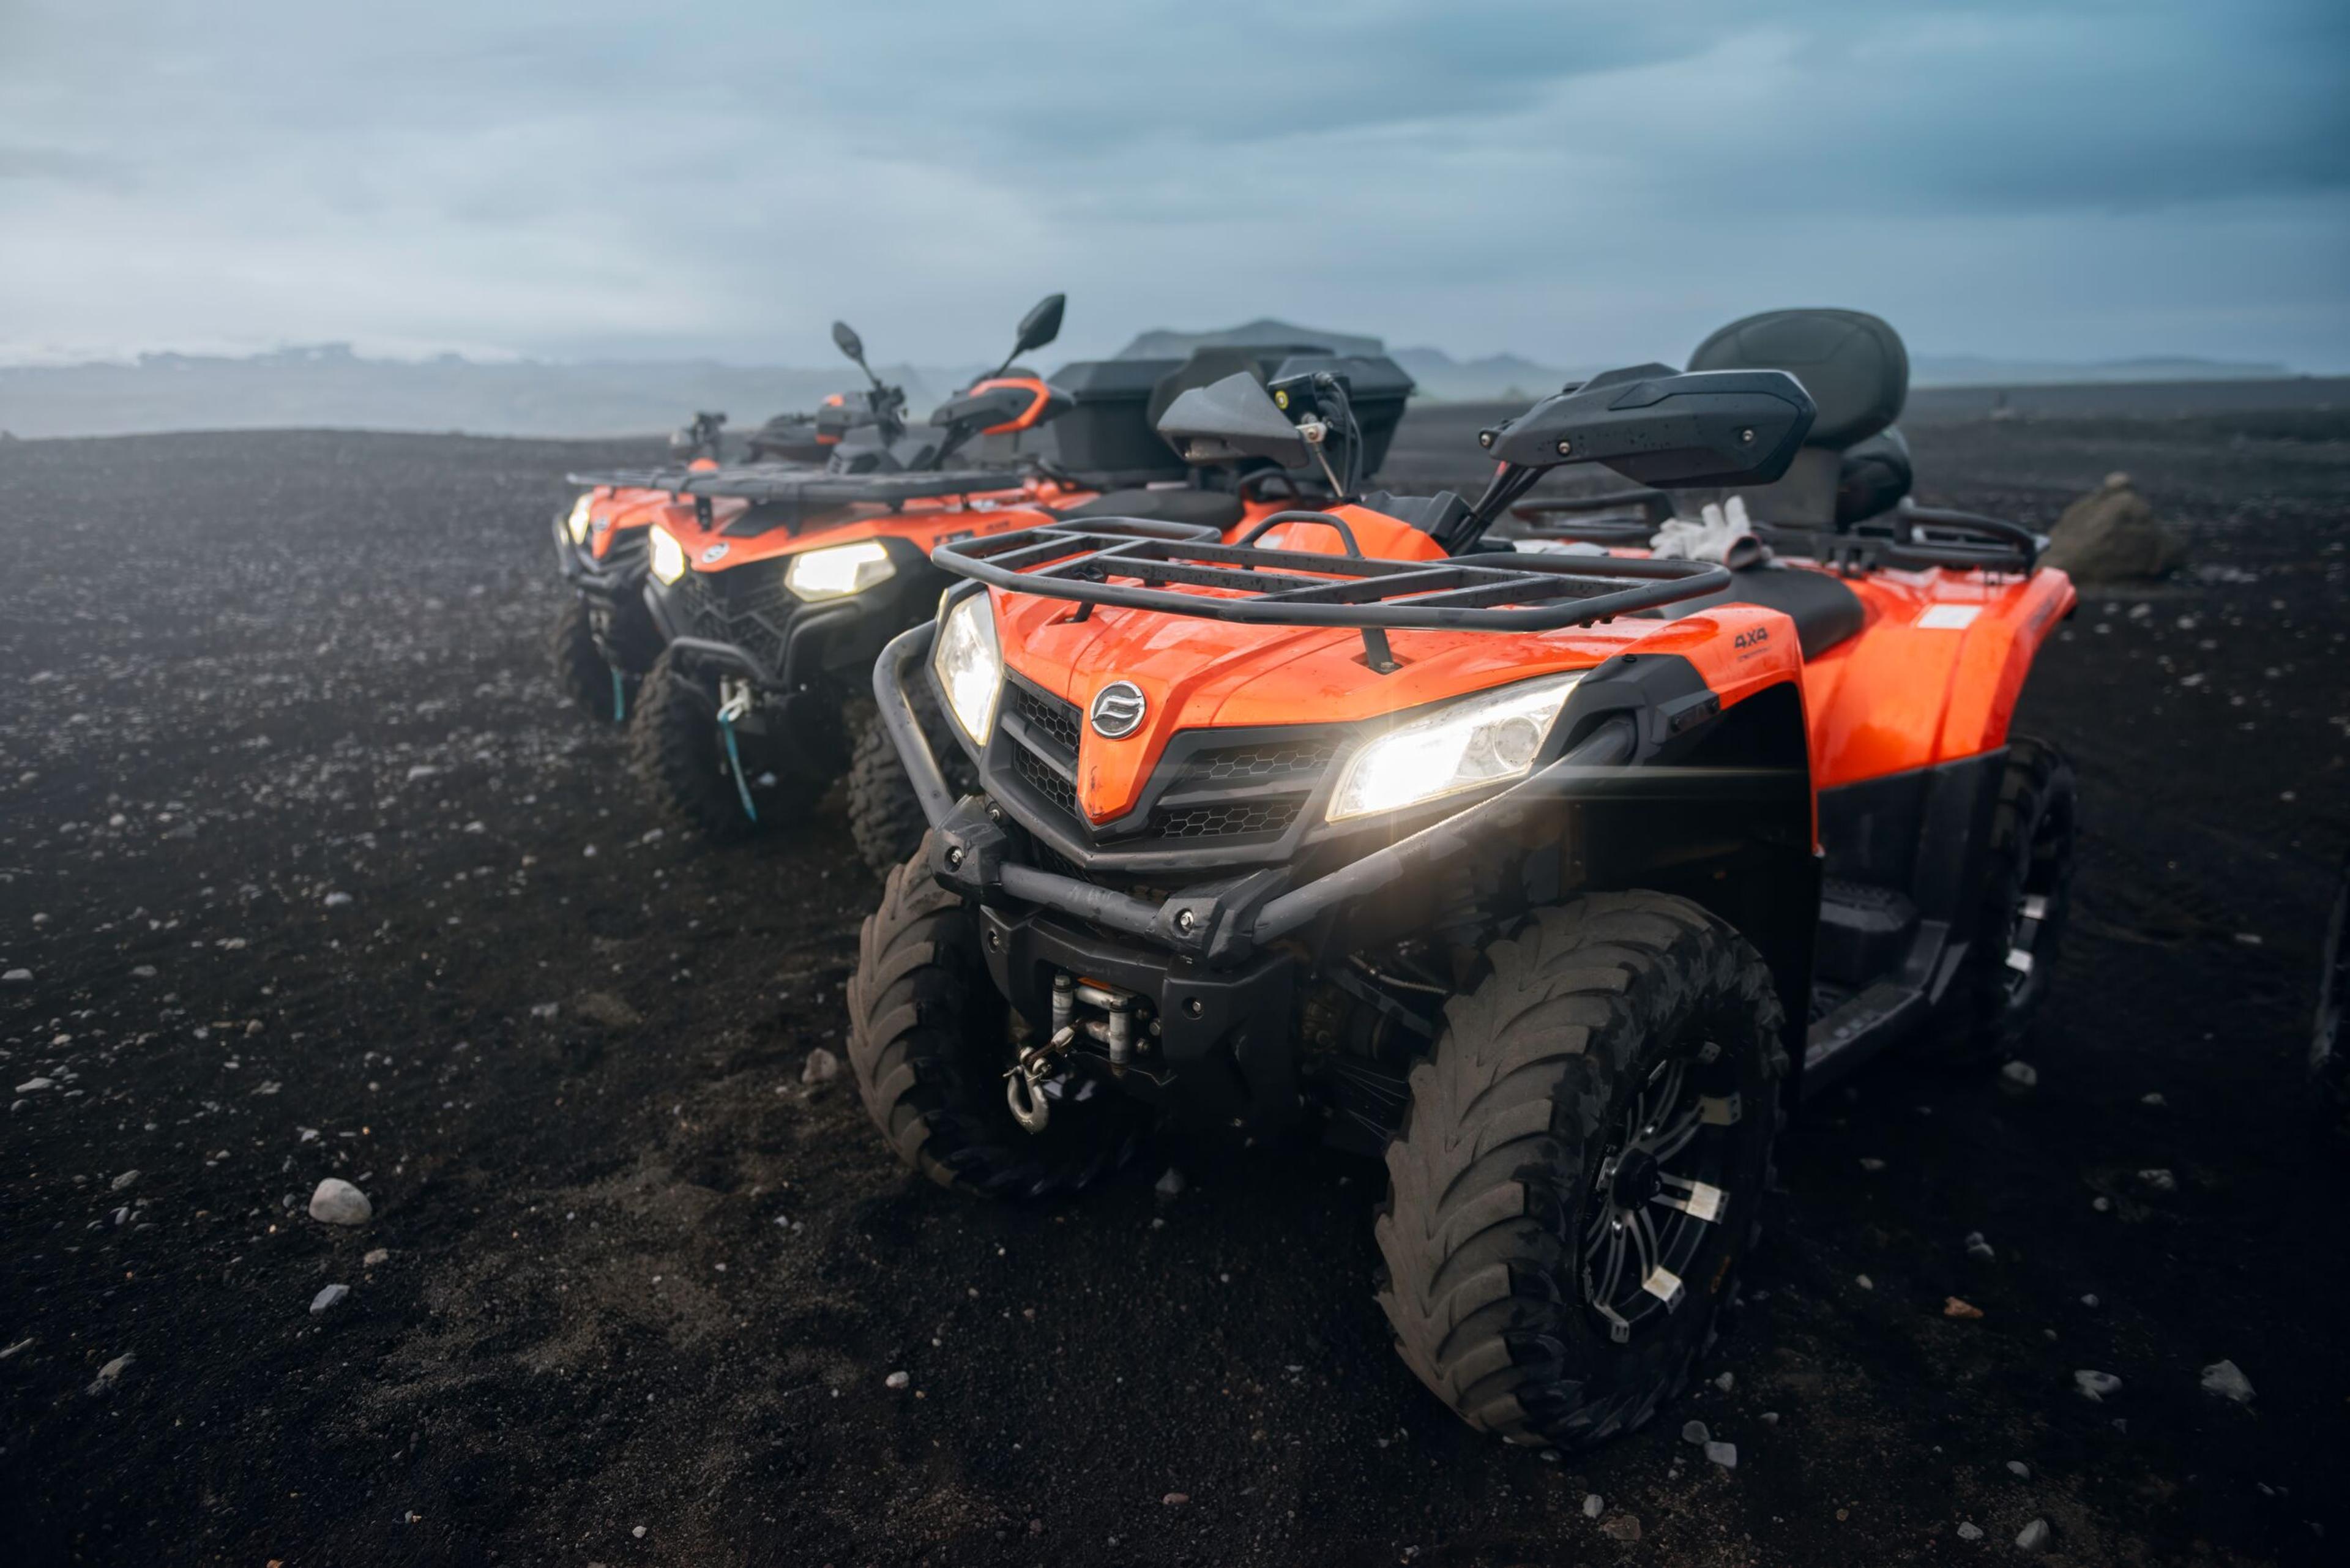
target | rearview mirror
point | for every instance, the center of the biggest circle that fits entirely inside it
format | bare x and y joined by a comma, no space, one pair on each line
1658,426
845,338
1041,325
1229,418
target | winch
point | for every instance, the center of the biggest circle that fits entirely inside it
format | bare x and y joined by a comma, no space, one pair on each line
1114,1018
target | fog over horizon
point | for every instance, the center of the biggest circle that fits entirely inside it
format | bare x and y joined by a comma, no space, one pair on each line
1575,183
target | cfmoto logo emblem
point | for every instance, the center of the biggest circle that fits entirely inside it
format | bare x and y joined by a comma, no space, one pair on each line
712,553
1117,709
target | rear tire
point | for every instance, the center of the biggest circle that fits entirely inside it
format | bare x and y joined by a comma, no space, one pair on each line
1522,1136
929,1043
884,813
580,672
2027,866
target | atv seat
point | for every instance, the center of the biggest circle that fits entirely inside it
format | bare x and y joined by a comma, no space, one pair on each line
1852,464
1825,611
1213,507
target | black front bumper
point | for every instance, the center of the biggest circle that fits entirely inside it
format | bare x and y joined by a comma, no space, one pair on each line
745,622
613,592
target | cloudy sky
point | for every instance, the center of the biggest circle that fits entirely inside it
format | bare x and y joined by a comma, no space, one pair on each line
1579,182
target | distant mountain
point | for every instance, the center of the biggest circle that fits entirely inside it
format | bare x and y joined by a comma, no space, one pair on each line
1166,344
1491,378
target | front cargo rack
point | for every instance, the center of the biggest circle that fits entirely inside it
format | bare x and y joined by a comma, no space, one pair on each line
1138,564
799,490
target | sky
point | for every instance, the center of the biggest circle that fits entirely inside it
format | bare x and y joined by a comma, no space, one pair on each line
1580,184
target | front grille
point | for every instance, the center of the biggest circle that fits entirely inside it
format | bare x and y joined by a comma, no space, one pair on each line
1217,792
748,607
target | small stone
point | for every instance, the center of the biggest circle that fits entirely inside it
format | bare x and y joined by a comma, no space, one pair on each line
1769,1418
338,1202
1871,1163
2155,1099
1979,1249
898,1380
1593,1505
1954,1307
1970,1530
2227,1380
110,1374
821,1067
1175,1498
16,977
2096,1385
2032,1539
144,972
123,1180
2089,1301
1726,1382
2019,1469
1723,1454
545,1010
1864,1281
376,1258
35,1086
1170,1184
336,900
2101,1203
603,1007
1623,1527
1695,1432
639,1532
2158,1180
2017,1078
327,1300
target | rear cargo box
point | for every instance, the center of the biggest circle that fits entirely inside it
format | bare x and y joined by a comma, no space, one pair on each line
1106,433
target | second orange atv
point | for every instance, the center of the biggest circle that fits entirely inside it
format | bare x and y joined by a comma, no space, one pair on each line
1549,876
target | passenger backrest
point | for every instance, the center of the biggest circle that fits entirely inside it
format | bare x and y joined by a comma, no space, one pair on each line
1858,373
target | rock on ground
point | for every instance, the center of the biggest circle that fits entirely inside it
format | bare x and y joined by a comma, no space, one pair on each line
2111,535
2033,1537
111,1374
327,1300
2096,1385
822,1067
2227,1380
338,1202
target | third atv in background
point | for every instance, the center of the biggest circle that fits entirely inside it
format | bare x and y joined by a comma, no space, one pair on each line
1549,875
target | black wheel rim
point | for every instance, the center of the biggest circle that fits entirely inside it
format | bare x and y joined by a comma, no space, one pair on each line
1661,1190
2038,908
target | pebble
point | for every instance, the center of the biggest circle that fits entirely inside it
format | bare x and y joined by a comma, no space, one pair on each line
34,1085
123,1180
17,977
2158,1180
336,900
639,1532
1623,1527
144,972
2017,1078
111,1374
545,1009
1870,1163
898,1380
2101,1203
2019,1469
1970,1530
1979,1249
1769,1418
2227,1380
2032,1538
1176,1499
1170,1184
2096,1385
1954,1307
1723,1454
1726,1382
2089,1301
327,1300
2154,1099
1593,1505
338,1202
376,1255
1695,1432
1864,1281
822,1067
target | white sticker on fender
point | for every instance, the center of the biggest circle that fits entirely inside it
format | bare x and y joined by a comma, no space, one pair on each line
1948,617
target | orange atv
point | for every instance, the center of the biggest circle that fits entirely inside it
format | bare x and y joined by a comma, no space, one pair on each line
1545,873
772,613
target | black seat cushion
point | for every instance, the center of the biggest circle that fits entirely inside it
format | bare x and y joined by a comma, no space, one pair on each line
1825,611
1852,363
1212,507
1872,478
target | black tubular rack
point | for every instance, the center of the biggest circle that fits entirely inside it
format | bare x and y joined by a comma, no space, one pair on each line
1138,564
808,487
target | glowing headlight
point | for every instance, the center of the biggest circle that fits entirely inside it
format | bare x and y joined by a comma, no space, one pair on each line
669,555
576,523
969,668
837,572
1475,742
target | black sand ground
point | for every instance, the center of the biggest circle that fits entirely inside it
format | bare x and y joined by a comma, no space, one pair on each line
641,1290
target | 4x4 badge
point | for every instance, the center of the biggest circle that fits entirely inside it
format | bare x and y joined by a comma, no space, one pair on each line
1117,709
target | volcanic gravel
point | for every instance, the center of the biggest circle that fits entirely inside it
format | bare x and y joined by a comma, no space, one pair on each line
311,875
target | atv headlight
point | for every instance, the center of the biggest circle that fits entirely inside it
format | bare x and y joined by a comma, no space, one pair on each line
668,556
576,523
838,571
968,665
1468,744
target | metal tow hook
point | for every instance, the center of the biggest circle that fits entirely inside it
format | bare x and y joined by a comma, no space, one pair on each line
1023,1086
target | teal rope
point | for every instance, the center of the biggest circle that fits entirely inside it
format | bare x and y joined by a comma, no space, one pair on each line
620,698
734,765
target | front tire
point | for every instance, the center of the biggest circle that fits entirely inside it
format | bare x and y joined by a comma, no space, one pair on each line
929,1040
580,672
678,751
2026,900
1582,1167
884,813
